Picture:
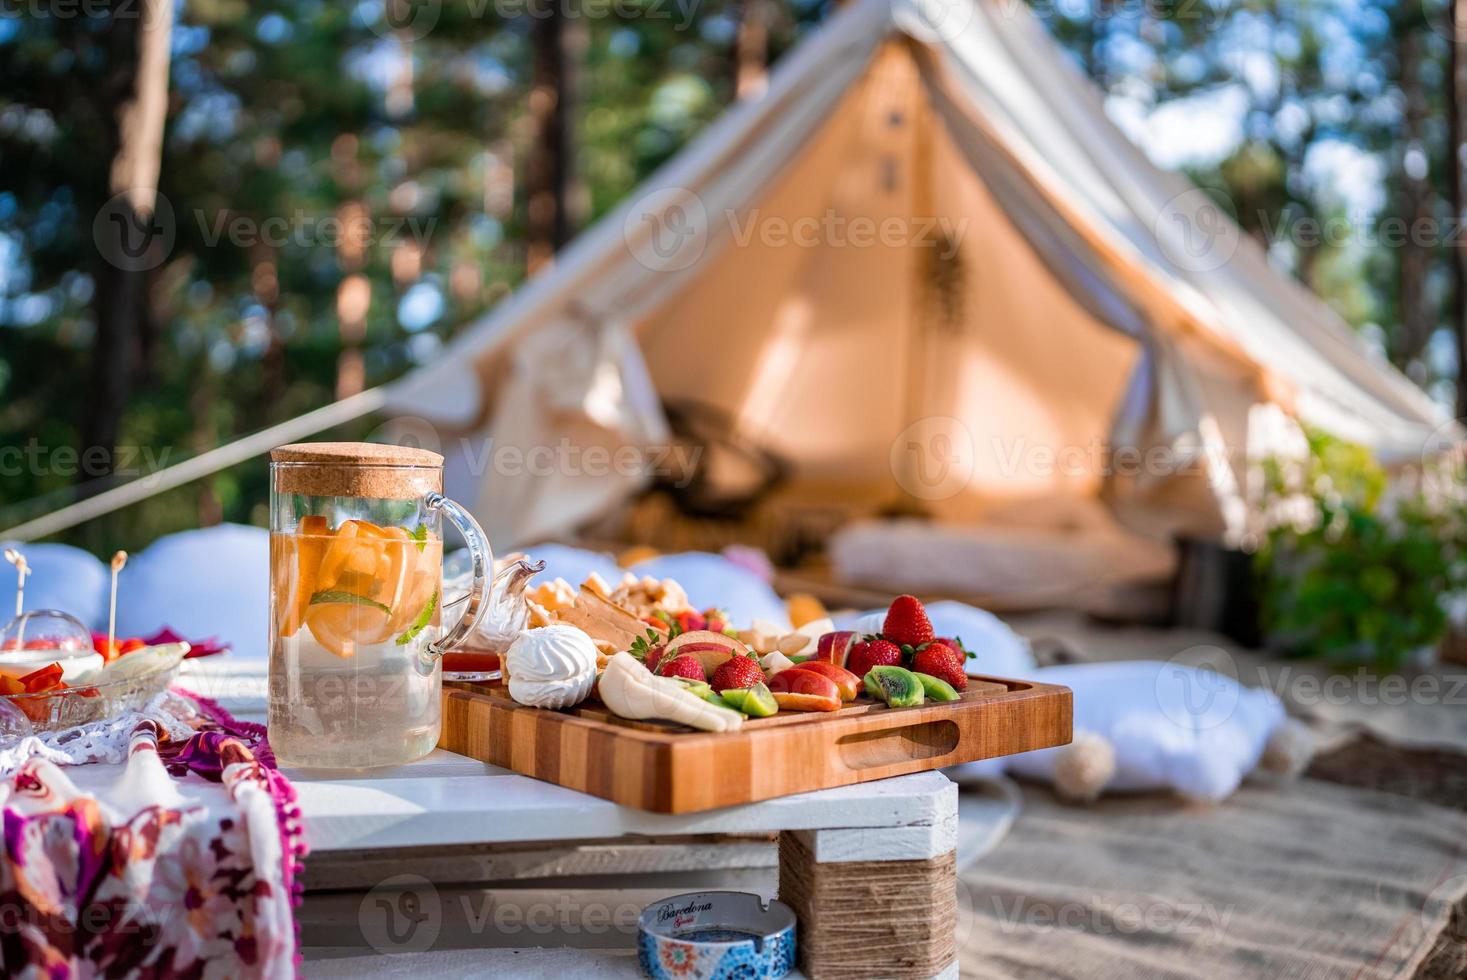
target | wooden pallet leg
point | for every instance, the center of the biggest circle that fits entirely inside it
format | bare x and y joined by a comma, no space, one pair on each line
874,902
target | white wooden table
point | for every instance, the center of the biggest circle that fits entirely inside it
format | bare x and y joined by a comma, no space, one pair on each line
470,869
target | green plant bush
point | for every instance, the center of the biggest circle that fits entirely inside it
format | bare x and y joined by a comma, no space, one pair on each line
1358,565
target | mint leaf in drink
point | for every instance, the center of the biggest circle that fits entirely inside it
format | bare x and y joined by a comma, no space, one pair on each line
421,536
421,623
337,595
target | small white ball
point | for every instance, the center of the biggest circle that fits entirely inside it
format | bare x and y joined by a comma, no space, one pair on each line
1290,749
1084,767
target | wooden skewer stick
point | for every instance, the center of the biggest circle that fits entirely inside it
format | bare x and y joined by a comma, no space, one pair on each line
21,570
118,560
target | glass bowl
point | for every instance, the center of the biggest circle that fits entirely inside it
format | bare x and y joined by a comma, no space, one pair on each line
94,696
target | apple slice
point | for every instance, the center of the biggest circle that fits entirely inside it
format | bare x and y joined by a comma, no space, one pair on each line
846,682
711,649
790,701
804,690
835,647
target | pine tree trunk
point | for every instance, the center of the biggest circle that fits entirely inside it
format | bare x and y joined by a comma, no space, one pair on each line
547,170
1415,322
127,232
1456,178
751,49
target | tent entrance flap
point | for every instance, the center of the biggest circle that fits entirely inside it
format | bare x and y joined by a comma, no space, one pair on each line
879,295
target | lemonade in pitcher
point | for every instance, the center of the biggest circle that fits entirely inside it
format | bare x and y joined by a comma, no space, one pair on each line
356,596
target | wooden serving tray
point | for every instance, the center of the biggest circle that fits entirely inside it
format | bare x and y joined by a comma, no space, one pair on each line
674,769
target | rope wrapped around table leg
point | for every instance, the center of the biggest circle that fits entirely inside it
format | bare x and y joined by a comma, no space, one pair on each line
870,918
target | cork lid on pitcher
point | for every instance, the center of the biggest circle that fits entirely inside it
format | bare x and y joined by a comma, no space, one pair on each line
355,469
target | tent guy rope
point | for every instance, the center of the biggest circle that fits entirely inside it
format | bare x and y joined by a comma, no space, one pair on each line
205,464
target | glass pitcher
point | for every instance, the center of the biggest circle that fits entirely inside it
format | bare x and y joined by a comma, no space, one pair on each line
477,657
356,587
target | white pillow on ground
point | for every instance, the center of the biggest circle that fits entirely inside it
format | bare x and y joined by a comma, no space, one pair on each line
62,577
1153,725
713,580
213,582
573,564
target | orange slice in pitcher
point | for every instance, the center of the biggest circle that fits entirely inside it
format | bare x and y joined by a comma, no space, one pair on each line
351,556
364,579
420,581
295,561
341,621
394,569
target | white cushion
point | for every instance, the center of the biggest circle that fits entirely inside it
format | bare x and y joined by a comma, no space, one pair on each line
1019,565
1065,513
62,577
1172,726
573,564
713,580
213,582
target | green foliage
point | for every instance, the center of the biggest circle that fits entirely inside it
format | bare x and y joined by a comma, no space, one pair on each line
1365,87
1356,567
281,113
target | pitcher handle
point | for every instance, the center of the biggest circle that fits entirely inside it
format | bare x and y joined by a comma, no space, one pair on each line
482,557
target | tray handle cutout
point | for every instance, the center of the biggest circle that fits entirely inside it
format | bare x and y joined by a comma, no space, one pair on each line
905,743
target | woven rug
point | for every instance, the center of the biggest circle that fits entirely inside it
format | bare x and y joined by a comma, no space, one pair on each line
1306,880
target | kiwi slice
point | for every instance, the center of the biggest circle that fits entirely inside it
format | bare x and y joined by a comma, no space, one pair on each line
700,688
756,701
935,687
897,686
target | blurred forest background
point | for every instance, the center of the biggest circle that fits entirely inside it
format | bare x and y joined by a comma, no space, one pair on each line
419,158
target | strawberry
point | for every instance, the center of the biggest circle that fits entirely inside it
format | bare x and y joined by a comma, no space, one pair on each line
691,622
715,620
736,672
906,623
873,652
686,665
956,643
649,649
942,662
654,654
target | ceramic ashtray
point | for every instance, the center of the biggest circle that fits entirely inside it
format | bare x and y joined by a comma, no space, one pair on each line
705,935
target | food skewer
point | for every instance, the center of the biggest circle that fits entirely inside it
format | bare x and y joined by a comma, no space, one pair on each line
118,560
22,570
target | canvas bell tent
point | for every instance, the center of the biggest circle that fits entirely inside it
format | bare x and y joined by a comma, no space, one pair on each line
922,271
927,221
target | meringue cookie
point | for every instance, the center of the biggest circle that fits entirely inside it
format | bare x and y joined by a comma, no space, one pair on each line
551,666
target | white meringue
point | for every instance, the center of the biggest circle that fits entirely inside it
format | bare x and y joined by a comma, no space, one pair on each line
551,666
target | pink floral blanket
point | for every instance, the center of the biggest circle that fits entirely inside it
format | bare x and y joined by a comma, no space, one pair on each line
192,874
